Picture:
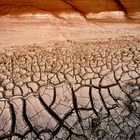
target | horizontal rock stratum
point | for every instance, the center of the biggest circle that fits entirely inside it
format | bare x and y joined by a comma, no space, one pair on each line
85,8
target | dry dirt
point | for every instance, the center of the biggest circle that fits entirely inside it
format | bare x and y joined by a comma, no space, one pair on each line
41,29
81,81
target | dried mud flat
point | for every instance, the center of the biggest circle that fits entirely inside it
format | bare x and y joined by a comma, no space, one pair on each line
41,29
71,90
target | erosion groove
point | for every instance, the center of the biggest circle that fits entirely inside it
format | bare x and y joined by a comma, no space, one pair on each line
71,91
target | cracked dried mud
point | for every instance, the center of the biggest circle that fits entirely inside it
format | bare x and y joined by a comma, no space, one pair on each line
71,90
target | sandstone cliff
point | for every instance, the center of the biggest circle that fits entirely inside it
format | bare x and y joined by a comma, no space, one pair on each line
86,8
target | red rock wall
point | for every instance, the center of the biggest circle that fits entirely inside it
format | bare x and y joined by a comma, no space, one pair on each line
16,7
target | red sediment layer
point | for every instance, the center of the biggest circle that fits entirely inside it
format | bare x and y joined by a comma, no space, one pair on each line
17,7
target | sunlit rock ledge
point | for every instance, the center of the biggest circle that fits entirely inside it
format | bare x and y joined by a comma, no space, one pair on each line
135,15
74,17
107,15
104,14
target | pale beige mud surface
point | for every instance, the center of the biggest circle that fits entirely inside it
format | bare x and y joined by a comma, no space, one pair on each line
71,90
43,29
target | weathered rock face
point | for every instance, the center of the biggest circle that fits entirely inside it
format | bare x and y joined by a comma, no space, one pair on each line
128,8
132,8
